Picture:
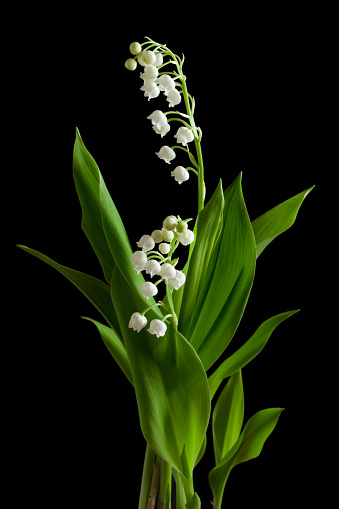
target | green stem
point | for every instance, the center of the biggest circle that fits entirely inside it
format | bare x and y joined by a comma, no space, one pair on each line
165,482
146,477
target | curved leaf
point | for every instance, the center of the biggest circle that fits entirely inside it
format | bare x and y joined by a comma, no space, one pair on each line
277,220
170,383
246,352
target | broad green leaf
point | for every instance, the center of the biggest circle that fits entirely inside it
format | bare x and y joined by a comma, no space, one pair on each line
87,181
227,282
194,503
247,351
228,416
114,346
96,291
208,227
277,220
170,383
248,446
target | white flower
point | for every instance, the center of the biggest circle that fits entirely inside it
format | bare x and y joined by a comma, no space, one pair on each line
170,223
152,267
180,174
151,72
178,280
146,243
138,260
148,289
166,83
150,88
137,322
184,135
166,153
158,118
167,271
167,235
157,236
173,97
164,248
148,57
157,327
158,59
162,130
186,237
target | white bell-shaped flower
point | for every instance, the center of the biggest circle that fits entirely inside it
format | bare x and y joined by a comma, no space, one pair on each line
157,236
148,57
167,271
148,289
164,248
167,235
166,153
150,72
186,237
151,89
137,322
166,83
180,174
152,267
146,243
170,223
139,259
184,135
173,97
157,327
158,118
162,130
178,280
158,59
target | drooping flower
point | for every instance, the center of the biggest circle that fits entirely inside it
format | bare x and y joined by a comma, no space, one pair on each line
167,235
158,59
152,267
139,259
137,322
146,243
157,327
164,248
166,83
170,223
150,88
186,237
150,72
148,57
148,289
157,236
162,130
166,153
184,135
178,280
180,174
173,97
167,271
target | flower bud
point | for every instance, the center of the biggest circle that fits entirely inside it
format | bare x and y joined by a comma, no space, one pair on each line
138,260
170,223
137,322
184,135
146,243
178,280
157,327
166,153
158,59
180,174
152,267
181,227
173,97
135,48
131,64
167,271
167,235
164,248
186,237
148,289
148,57
157,236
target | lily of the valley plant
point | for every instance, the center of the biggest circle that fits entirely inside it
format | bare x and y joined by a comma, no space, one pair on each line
167,321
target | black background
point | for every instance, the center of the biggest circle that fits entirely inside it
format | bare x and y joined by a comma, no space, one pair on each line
256,78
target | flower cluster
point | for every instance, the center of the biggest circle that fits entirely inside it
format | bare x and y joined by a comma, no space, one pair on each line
159,263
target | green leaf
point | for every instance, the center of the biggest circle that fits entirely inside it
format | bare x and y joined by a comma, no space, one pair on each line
246,352
194,503
170,383
87,181
208,227
114,346
248,446
227,281
277,220
228,416
96,291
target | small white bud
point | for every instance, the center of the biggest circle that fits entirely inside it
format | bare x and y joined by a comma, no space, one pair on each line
152,267
173,97
157,327
170,223
158,59
149,57
181,227
157,236
186,237
167,271
138,260
137,322
166,153
178,280
164,248
180,174
167,235
131,64
148,289
135,48
146,243
184,135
